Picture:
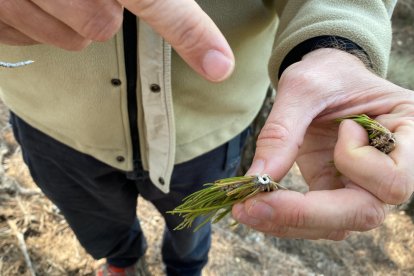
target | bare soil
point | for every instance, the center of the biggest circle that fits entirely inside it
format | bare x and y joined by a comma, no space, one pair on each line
30,224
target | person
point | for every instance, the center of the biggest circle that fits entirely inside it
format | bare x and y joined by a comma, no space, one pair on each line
122,114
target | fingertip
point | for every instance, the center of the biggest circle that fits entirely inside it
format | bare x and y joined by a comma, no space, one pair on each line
217,66
352,135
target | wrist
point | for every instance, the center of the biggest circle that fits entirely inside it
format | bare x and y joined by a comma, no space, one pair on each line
333,55
320,42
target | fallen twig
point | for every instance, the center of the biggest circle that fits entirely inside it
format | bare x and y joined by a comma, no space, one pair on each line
22,246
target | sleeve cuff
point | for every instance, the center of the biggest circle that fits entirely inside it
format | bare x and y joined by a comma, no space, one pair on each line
318,42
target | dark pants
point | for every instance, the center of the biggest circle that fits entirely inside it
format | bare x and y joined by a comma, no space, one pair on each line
99,201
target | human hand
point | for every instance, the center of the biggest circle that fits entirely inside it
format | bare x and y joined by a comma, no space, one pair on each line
325,85
72,25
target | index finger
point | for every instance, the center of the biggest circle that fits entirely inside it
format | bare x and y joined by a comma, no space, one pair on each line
190,31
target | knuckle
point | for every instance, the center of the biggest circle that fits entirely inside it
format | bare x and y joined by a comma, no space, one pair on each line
272,131
298,219
190,34
104,24
296,77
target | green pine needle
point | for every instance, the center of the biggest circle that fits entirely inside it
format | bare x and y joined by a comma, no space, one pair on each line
379,136
215,201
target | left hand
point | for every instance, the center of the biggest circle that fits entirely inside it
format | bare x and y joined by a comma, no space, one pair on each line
73,25
325,85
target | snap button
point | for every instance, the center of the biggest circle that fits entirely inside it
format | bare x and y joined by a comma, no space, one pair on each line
116,82
120,158
155,88
161,181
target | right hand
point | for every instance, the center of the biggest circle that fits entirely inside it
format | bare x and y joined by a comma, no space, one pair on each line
73,25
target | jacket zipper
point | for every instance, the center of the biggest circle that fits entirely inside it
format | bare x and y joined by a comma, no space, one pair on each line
131,67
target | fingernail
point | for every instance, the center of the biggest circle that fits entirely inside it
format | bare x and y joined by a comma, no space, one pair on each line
242,217
260,210
217,66
257,167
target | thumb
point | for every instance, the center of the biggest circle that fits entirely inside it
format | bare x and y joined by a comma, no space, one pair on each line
282,135
190,32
